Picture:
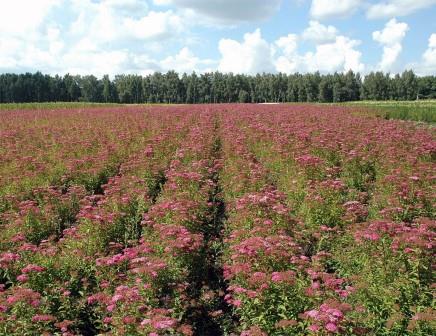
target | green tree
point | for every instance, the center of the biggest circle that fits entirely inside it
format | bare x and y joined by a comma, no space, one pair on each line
409,85
326,89
243,96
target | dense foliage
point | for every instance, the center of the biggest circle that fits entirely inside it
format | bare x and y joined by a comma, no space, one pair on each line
215,88
246,220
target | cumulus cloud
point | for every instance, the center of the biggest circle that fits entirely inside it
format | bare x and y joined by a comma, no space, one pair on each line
96,37
251,56
427,66
97,62
430,54
390,38
288,44
14,21
394,8
322,9
29,50
83,60
288,61
120,20
340,55
162,2
254,55
27,38
186,61
333,52
155,25
319,33
130,7
227,11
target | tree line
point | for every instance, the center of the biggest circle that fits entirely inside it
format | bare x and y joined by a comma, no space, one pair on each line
216,87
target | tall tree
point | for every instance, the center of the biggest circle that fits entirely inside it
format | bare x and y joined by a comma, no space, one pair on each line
326,89
410,85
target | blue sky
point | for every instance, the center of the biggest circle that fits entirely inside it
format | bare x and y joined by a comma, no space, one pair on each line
240,36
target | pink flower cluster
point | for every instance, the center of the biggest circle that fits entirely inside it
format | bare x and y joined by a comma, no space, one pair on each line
327,317
402,236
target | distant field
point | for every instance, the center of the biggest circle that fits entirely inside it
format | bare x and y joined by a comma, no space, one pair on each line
52,105
422,110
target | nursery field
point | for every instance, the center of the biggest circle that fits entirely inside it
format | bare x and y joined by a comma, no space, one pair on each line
237,219
418,110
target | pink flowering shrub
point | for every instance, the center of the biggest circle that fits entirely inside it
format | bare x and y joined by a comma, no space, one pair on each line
390,264
217,219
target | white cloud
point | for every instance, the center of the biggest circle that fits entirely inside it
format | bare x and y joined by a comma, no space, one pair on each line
94,39
288,44
93,61
428,64
394,8
288,62
430,53
393,33
96,62
227,11
143,64
162,2
101,62
322,9
55,42
156,25
127,6
340,55
96,21
333,52
39,50
27,37
287,65
319,33
121,20
252,56
22,17
186,61
8,48
390,38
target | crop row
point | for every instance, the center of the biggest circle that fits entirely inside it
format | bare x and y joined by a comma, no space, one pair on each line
266,264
